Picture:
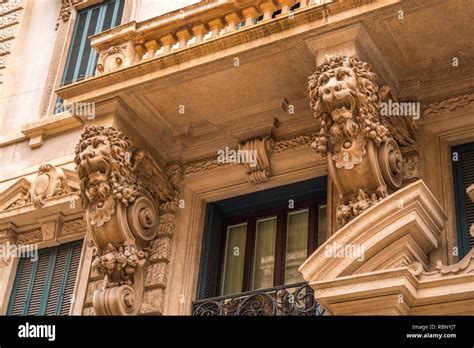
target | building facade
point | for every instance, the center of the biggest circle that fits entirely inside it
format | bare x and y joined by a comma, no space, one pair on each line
243,157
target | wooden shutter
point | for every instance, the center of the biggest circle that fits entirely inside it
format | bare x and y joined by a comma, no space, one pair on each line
45,287
208,283
463,173
82,59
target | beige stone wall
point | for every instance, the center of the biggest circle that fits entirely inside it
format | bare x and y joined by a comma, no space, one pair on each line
27,65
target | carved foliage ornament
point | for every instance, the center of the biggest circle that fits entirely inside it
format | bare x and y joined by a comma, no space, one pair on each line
365,162
121,214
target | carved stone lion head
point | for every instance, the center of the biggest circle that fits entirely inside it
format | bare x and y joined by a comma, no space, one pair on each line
103,160
343,96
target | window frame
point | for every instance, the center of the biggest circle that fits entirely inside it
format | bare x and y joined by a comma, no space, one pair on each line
281,213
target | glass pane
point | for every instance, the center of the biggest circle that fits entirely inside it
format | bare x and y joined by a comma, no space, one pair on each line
322,224
234,259
264,255
296,245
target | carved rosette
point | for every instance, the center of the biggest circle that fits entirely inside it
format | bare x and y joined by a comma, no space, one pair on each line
122,214
365,162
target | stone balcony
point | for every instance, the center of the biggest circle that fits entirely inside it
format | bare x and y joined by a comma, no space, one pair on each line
194,27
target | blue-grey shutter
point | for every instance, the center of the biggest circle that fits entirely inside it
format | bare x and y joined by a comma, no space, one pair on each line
82,59
463,173
208,282
45,287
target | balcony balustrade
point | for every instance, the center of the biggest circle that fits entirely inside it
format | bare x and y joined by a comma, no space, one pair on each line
133,42
287,300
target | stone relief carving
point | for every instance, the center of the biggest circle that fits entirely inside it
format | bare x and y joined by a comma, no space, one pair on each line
31,237
365,162
115,57
259,149
123,191
49,182
447,105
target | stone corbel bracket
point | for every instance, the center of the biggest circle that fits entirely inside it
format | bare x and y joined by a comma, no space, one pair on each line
49,182
364,160
122,214
255,155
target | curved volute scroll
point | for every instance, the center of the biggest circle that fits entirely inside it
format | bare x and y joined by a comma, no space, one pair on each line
122,215
365,162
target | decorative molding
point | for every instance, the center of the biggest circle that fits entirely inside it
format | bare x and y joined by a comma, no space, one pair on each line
129,201
38,130
49,182
203,166
73,227
63,27
260,169
447,105
65,11
364,160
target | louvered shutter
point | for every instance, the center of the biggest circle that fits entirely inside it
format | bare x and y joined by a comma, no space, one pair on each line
45,287
82,59
463,173
210,256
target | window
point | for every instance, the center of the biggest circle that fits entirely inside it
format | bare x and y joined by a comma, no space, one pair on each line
45,286
265,249
259,240
82,59
463,175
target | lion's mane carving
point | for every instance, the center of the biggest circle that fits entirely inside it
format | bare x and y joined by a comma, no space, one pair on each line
343,96
104,165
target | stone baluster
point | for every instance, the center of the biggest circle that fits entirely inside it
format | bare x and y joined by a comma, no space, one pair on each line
286,5
216,26
199,31
183,37
232,19
168,41
268,7
250,14
140,50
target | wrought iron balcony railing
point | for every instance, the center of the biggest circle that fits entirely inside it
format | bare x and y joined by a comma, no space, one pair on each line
287,300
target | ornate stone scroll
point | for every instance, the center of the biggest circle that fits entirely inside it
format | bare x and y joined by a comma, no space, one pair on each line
365,162
257,152
122,190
